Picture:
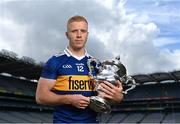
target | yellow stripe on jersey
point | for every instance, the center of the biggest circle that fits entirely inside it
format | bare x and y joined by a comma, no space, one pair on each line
74,83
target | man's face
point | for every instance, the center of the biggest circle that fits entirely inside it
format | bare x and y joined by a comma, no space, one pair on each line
77,34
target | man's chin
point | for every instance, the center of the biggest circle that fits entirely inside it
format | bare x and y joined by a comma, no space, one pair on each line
79,47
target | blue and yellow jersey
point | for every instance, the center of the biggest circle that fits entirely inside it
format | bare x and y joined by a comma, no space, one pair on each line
71,75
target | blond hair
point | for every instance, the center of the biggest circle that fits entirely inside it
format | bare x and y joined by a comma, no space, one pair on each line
76,18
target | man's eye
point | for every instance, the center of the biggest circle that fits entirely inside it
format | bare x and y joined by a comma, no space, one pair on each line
74,31
84,31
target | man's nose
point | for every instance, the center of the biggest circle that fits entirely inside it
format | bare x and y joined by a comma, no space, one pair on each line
79,33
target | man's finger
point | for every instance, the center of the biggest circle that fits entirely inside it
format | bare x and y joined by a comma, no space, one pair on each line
109,84
106,89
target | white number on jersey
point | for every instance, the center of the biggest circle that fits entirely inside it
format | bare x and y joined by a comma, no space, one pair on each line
80,68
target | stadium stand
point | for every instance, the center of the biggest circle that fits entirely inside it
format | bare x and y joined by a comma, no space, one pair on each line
155,99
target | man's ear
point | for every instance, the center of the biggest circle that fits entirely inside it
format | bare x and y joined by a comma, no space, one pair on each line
67,35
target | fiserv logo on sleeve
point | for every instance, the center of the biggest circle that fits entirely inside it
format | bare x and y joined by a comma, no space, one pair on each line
74,83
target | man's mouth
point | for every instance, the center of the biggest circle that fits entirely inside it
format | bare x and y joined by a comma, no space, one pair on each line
78,40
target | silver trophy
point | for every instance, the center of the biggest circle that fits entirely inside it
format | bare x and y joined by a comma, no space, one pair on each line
111,71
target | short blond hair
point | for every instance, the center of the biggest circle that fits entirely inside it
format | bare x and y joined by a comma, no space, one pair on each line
76,18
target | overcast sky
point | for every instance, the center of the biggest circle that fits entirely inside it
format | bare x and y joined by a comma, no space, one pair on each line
145,33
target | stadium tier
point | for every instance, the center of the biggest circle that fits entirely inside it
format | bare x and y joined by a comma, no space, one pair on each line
19,67
155,99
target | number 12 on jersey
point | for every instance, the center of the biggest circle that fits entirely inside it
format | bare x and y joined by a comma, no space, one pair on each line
80,68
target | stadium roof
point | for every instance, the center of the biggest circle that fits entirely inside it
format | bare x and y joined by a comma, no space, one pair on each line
159,77
27,67
19,67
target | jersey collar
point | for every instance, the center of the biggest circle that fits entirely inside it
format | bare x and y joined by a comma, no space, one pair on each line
69,53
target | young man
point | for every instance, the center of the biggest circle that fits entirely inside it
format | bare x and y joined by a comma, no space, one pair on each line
65,82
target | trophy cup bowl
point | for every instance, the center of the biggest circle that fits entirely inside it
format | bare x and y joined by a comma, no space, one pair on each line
111,71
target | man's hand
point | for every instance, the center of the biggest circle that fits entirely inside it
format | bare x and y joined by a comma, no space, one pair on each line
79,101
109,91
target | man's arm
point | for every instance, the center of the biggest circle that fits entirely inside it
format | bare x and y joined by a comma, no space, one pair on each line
111,91
45,96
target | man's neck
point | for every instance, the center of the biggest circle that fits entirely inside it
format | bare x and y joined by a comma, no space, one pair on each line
77,52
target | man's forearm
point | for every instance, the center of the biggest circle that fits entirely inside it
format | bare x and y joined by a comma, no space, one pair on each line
53,99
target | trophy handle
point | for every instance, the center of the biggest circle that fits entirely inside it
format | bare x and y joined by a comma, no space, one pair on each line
89,67
133,84
96,66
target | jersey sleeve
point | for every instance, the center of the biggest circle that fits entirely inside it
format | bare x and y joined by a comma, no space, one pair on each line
50,69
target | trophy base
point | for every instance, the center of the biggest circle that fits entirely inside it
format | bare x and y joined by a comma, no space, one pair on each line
99,104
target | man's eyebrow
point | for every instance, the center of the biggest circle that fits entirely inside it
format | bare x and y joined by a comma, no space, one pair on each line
79,30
